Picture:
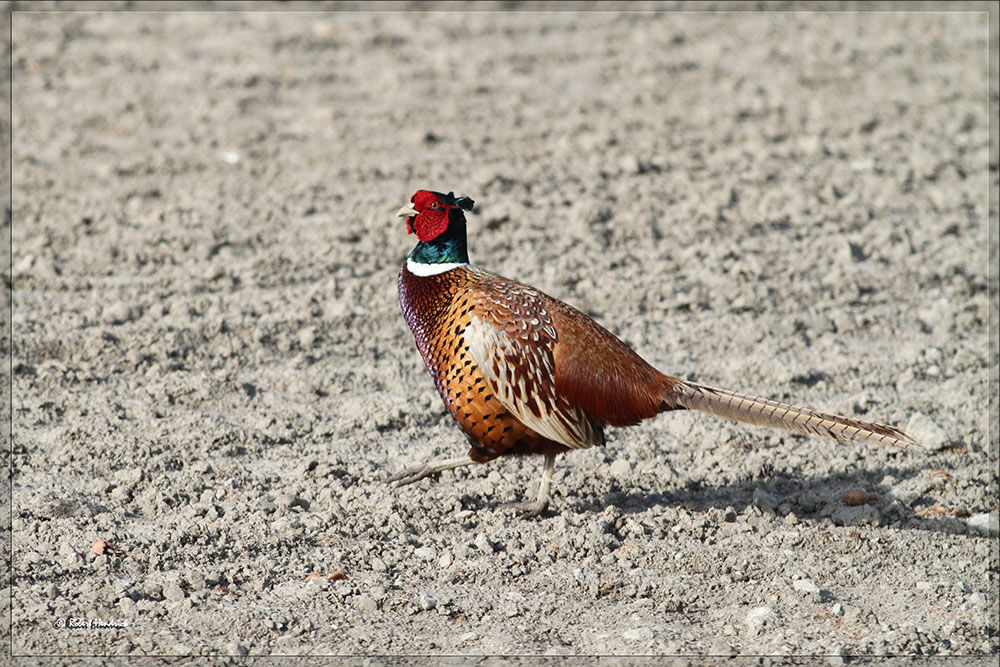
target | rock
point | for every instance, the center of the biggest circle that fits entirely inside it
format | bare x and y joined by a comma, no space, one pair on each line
839,656
173,591
620,469
484,543
721,647
364,602
120,312
425,553
859,515
764,501
638,634
127,608
630,165
928,432
427,601
855,496
984,522
806,586
236,649
758,617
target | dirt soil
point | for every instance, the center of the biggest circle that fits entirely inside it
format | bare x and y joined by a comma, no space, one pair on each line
212,377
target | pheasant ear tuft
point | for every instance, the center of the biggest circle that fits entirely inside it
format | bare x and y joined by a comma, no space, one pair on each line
464,203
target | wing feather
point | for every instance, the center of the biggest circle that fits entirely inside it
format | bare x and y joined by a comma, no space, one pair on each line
513,348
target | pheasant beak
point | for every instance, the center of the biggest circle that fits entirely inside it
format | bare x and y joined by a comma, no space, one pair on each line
406,212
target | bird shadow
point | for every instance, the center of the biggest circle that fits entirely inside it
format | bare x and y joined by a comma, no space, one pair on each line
812,499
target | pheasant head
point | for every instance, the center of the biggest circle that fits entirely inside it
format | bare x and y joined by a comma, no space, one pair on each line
438,220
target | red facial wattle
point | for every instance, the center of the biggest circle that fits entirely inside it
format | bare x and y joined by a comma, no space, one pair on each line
431,223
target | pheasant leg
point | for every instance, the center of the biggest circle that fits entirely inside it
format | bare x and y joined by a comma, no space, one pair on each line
533,509
417,473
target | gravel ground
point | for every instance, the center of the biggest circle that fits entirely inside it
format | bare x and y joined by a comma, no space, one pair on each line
212,378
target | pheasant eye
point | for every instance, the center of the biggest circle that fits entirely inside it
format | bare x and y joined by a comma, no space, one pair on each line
433,204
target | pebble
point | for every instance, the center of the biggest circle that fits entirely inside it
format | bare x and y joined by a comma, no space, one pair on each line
758,617
721,647
364,602
127,607
630,165
985,522
620,469
638,634
173,591
427,601
764,501
806,586
484,543
425,553
119,313
858,515
839,656
928,432
236,649
855,497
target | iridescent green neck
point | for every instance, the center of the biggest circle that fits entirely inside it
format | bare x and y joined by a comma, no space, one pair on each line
447,248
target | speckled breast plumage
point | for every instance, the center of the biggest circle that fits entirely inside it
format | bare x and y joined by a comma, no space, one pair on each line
438,310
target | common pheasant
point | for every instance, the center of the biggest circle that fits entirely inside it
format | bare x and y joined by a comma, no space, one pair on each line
523,373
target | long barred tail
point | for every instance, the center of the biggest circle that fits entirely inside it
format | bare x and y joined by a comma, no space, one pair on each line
740,407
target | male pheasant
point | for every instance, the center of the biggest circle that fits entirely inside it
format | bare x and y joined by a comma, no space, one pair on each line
523,373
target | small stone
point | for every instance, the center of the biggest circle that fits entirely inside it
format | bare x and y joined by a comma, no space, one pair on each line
638,634
837,610
127,607
427,601
839,656
764,501
806,586
977,599
196,579
364,602
985,522
721,647
620,469
855,497
809,502
425,553
173,591
758,617
861,515
236,649
630,165
119,313
307,338
928,432
484,543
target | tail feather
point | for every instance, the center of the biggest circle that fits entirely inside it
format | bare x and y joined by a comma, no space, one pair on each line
765,412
